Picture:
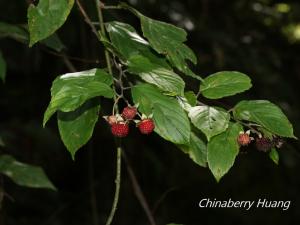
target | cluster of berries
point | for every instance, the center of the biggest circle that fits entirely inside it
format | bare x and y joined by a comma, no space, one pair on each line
119,124
263,144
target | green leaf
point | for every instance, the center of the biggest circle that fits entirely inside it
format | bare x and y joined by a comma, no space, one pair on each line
265,114
196,149
222,151
168,40
163,78
71,90
24,174
2,68
15,32
210,120
76,127
54,43
191,98
20,33
274,156
129,43
45,18
225,83
171,122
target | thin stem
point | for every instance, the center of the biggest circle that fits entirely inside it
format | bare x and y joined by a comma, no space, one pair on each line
118,184
115,106
249,126
138,191
162,198
62,55
87,19
112,7
68,63
99,6
93,197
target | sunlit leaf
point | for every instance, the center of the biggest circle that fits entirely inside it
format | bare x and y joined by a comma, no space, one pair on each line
170,120
71,90
210,120
225,83
167,40
265,114
129,43
222,151
164,79
45,18
191,97
196,149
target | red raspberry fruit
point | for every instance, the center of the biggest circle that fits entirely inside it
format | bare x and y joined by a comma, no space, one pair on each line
263,144
129,112
244,139
120,129
146,126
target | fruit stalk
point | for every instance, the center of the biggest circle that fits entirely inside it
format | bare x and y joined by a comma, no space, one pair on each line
119,149
118,184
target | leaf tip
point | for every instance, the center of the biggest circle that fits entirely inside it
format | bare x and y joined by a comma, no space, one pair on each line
217,178
72,155
52,187
31,42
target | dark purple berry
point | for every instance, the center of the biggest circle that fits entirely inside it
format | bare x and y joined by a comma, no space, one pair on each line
263,144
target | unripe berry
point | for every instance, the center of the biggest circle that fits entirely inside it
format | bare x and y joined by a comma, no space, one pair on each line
112,119
263,144
244,139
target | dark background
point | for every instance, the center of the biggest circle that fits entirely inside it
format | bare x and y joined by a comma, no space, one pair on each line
260,38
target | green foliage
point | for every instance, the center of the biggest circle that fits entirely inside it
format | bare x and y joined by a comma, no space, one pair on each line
129,43
167,40
170,119
77,127
45,18
160,93
20,34
163,78
274,156
147,62
222,151
72,94
146,71
223,84
24,174
266,114
210,120
72,90
191,98
2,68
15,32
196,149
